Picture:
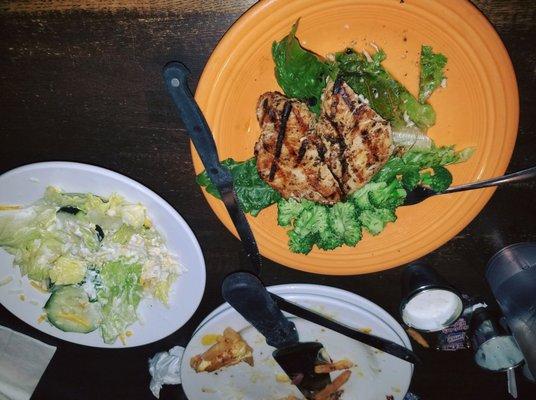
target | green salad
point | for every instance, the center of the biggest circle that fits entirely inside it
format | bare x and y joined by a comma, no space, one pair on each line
303,75
97,257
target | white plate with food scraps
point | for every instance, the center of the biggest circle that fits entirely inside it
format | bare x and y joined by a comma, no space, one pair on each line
24,185
374,376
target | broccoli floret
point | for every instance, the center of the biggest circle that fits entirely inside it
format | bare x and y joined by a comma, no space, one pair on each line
360,197
439,181
411,178
300,244
312,221
389,197
344,223
328,240
394,167
289,210
375,220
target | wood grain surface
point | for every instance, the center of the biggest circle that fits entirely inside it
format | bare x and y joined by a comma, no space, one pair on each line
81,81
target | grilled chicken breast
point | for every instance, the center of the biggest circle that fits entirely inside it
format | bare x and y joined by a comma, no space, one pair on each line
357,139
324,160
290,156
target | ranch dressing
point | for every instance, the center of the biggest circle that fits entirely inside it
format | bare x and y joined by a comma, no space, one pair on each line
432,309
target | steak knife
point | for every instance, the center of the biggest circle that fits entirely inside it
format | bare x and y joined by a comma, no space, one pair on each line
176,79
371,340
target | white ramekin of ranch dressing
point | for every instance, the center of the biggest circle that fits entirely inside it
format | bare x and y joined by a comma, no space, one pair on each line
432,309
429,303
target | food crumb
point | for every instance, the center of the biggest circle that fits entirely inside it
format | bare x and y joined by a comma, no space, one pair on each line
282,378
41,318
34,303
6,280
22,297
365,330
207,390
6,207
38,287
123,339
128,333
209,339
417,337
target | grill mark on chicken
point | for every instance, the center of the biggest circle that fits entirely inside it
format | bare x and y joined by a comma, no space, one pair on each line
341,186
301,122
280,136
301,151
338,88
342,146
321,151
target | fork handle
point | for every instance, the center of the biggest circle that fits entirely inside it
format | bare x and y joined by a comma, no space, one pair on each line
518,176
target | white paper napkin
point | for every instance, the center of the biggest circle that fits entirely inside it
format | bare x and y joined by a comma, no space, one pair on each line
165,369
23,360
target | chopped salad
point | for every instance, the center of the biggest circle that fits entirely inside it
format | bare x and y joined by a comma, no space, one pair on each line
98,257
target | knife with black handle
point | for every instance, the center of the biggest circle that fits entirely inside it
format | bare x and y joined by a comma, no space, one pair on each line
371,340
247,295
176,78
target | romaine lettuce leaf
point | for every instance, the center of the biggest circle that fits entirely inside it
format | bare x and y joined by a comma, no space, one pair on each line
386,95
253,193
432,72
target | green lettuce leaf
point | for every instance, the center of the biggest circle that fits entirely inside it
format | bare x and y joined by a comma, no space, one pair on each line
386,95
119,295
253,193
300,73
432,72
444,155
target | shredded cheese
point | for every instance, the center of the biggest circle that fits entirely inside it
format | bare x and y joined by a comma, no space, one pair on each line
6,280
7,207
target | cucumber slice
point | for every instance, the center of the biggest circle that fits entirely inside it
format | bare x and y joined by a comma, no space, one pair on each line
70,310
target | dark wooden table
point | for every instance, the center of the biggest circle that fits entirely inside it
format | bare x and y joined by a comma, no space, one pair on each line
80,81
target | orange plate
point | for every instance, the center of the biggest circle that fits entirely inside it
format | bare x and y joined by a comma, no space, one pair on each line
478,108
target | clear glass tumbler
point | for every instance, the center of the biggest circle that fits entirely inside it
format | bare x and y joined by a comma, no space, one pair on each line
511,274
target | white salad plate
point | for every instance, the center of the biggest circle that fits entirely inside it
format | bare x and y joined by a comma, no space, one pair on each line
24,185
374,376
